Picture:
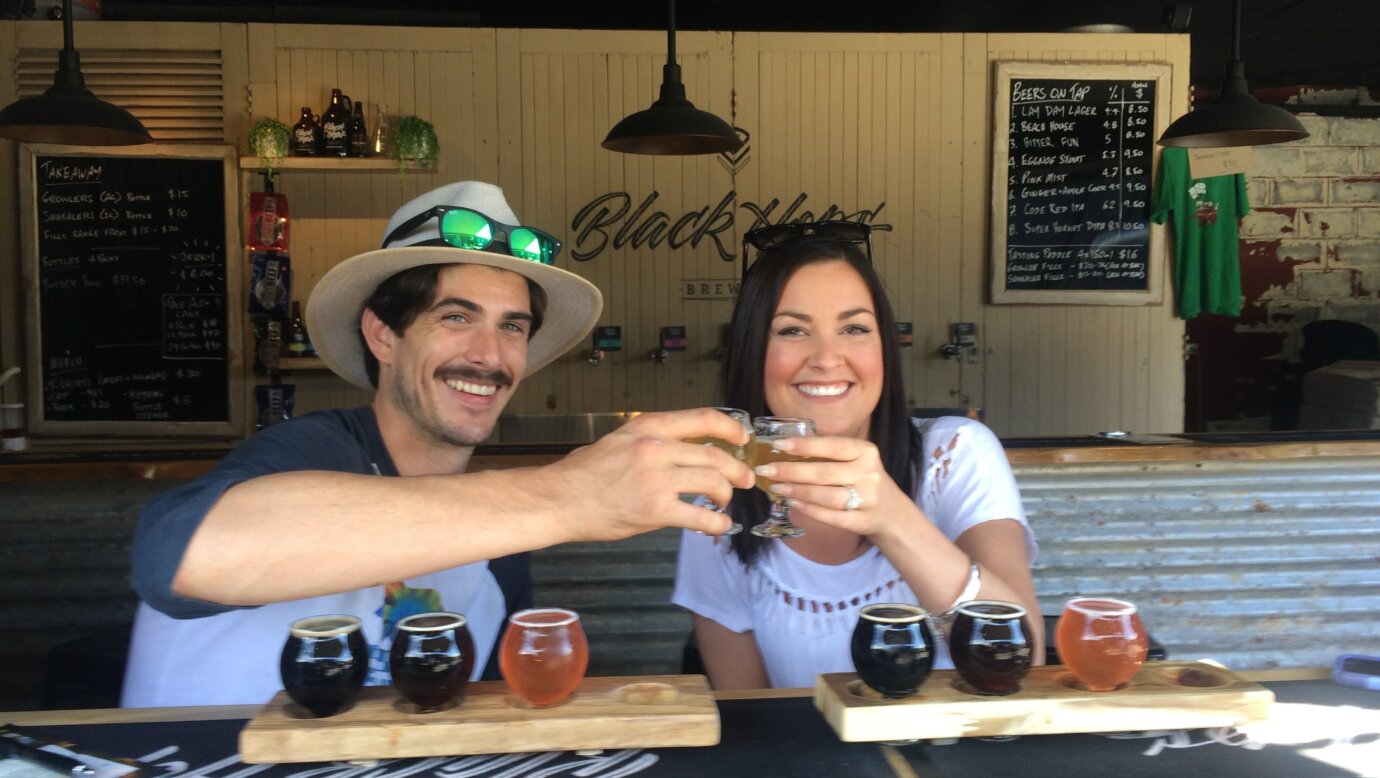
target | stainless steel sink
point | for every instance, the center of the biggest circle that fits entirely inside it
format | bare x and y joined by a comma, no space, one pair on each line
557,427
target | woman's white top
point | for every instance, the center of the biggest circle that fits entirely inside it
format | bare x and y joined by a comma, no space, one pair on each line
801,612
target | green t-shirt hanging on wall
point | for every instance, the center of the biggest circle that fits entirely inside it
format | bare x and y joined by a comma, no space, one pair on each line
1207,270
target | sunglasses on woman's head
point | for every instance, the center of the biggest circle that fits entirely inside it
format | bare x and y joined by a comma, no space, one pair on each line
775,236
464,228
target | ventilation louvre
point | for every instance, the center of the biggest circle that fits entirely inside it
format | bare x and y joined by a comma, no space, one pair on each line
179,95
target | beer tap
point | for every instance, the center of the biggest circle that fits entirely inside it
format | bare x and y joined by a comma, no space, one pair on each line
605,339
672,339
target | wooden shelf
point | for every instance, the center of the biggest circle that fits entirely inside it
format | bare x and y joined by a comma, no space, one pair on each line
301,363
337,164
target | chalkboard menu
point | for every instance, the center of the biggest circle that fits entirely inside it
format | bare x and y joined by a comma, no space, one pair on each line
1072,177
131,264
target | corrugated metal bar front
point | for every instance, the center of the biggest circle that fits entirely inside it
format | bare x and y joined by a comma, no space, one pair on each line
64,578
1256,564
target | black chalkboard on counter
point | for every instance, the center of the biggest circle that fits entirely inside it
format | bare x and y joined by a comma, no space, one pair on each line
1073,161
132,269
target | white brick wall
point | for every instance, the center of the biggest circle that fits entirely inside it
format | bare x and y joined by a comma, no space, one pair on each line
1316,204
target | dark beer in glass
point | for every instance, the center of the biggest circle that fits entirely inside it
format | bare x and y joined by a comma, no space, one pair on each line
324,662
431,659
990,644
893,648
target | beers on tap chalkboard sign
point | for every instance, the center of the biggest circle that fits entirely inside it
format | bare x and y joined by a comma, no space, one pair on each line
1072,175
132,265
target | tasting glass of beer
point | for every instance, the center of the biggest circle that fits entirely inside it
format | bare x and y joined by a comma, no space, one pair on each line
431,659
893,648
762,451
1101,641
324,662
990,644
543,654
737,452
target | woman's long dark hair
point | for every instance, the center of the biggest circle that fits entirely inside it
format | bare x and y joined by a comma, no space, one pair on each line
741,378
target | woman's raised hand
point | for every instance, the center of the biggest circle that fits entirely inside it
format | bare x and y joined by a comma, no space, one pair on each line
846,484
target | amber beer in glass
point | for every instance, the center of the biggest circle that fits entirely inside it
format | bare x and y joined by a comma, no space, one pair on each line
739,453
1101,641
764,454
743,418
543,655
766,431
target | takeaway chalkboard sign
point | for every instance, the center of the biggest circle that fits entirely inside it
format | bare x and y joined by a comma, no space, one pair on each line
131,265
1072,179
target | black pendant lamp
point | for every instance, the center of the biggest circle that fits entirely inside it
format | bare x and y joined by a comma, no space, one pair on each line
1235,117
68,113
673,125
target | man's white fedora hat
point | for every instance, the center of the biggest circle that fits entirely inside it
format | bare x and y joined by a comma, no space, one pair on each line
337,302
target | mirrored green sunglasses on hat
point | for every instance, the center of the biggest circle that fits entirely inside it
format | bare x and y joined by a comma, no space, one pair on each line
464,228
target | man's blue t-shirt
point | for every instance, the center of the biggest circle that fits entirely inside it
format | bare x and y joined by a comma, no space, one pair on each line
191,652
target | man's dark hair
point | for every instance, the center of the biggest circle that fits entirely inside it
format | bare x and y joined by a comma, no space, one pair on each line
402,297
742,375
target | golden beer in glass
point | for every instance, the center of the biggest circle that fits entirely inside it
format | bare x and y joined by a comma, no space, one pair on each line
737,452
766,431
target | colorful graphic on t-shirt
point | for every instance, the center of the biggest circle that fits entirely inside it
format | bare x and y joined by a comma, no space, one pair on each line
1206,213
399,602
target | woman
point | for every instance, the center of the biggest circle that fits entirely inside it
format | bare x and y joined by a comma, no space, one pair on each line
918,511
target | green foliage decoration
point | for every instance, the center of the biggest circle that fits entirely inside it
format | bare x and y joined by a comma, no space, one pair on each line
269,140
415,139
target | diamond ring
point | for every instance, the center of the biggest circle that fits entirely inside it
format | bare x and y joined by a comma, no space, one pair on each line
854,501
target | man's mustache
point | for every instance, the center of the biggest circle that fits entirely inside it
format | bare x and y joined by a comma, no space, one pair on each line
496,377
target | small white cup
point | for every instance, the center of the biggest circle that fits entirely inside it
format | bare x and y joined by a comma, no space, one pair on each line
14,427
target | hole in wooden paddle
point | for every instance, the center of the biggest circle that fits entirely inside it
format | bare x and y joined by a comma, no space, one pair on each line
1077,685
646,694
862,691
1197,678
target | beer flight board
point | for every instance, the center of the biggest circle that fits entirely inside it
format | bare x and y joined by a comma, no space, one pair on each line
604,712
1073,181
131,266
680,711
1162,695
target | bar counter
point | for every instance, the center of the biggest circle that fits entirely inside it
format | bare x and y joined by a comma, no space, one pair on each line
1276,535
116,460
1316,728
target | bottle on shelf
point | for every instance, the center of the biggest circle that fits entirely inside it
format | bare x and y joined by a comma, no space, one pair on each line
298,341
358,133
382,143
307,139
335,125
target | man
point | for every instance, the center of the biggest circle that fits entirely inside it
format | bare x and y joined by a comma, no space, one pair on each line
303,519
